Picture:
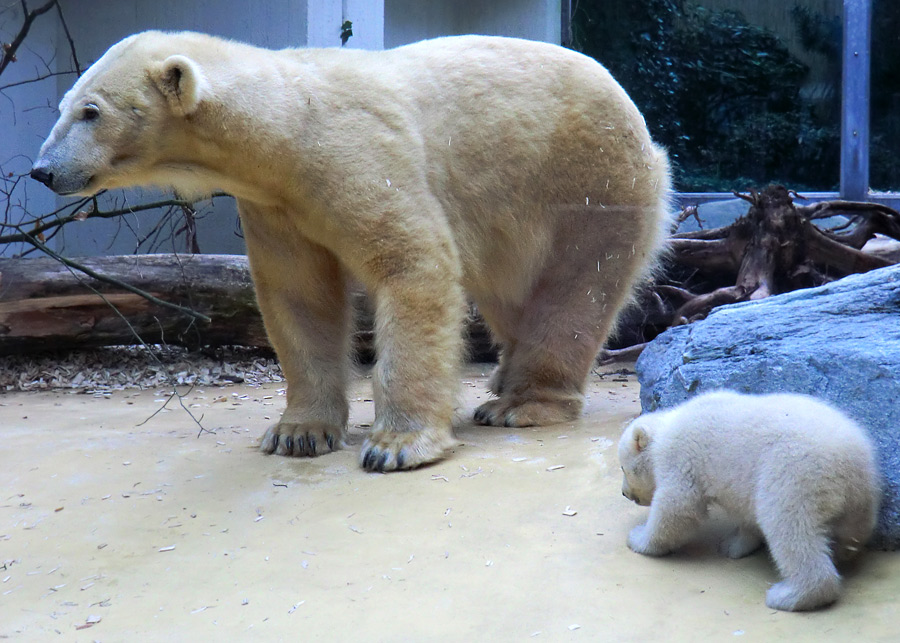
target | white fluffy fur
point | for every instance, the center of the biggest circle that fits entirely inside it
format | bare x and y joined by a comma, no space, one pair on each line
789,468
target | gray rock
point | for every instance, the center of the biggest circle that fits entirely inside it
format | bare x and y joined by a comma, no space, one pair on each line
839,342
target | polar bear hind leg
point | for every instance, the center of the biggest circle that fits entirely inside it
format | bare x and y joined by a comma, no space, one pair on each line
800,545
549,341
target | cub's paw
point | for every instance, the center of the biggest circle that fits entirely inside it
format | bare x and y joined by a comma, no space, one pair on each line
741,543
517,413
794,597
302,438
639,541
393,450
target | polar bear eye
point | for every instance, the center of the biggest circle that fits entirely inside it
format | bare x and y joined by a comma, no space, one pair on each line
90,112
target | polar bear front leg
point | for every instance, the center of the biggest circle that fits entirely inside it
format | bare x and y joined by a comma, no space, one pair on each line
301,291
419,313
674,516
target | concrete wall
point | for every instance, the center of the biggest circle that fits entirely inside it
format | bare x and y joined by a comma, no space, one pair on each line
411,20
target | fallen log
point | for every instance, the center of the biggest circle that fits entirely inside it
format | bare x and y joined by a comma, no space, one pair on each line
45,305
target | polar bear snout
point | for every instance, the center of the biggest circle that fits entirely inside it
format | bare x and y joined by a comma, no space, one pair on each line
60,182
61,168
39,173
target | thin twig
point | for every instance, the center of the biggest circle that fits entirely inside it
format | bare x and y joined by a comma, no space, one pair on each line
9,51
36,79
94,213
153,355
65,27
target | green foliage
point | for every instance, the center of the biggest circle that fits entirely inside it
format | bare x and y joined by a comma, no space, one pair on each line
885,143
724,96
346,31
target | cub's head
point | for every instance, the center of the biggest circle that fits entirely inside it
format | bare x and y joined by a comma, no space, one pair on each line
639,484
117,120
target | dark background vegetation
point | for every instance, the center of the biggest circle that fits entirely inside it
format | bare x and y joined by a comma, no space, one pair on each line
731,102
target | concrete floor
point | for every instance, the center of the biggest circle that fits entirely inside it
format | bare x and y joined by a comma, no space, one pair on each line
115,531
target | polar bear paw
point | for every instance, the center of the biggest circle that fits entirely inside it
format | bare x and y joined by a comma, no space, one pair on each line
394,450
518,413
792,597
302,438
640,541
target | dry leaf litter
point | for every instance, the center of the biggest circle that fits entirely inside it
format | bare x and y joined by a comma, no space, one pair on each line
118,368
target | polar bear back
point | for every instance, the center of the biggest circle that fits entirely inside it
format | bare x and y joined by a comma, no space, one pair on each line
740,446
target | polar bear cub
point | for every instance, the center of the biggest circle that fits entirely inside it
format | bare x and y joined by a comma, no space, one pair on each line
789,468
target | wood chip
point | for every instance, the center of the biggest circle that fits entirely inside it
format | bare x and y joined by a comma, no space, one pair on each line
569,511
169,548
556,466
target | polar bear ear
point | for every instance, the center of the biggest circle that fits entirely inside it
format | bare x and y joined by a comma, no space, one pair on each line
182,83
641,438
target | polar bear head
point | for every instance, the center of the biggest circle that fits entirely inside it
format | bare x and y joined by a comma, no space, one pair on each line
639,484
119,124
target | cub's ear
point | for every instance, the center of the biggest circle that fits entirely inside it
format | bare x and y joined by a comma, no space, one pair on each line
181,81
641,438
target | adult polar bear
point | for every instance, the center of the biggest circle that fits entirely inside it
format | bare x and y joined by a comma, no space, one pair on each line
517,171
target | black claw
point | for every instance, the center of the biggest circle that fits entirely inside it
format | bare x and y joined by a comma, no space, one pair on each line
311,446
368,460
480,416
329,440
400,460
289,445
382,461
508,420
301,447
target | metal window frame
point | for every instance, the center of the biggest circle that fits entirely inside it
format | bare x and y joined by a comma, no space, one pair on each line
855,88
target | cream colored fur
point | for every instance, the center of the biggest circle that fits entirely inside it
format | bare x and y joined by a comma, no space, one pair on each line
788,468
516,171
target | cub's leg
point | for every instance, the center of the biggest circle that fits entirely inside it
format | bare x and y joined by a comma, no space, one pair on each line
419,313
551,339
745,540
800,545
675,514
301,292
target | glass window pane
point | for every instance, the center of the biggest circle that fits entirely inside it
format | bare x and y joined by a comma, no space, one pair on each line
884,159
741,93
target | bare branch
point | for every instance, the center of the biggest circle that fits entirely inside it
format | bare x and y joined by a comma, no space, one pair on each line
9,50
81,215
65,27
36,79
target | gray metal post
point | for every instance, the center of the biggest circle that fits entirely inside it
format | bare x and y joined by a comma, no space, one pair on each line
565,32
855,99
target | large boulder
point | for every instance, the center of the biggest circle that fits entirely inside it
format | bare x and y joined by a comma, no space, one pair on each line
839,342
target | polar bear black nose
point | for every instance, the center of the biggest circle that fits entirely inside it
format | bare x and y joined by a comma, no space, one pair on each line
42,175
